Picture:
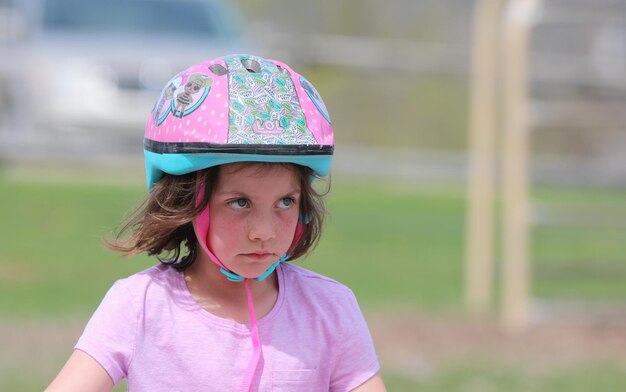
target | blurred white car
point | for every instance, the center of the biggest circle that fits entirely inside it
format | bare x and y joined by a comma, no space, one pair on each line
81,76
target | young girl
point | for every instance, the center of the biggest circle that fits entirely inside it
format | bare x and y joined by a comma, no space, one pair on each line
230,201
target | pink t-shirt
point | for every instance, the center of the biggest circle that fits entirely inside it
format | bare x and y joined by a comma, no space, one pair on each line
150,330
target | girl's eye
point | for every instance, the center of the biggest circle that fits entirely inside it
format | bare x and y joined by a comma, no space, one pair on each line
285,202
238,203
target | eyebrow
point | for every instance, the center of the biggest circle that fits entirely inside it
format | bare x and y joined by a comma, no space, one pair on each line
296,191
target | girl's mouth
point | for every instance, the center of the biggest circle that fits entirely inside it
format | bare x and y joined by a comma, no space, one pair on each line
257,256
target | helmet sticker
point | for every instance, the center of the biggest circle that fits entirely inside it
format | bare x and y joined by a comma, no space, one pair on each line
187,94
315,97
162,106
181,98
264,107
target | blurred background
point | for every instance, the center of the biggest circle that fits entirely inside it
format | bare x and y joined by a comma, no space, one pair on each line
78,79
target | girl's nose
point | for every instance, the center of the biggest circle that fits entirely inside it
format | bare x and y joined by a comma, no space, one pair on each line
262,227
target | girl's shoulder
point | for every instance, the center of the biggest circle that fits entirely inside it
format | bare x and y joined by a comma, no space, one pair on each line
300,274
307,283
327,300
159,275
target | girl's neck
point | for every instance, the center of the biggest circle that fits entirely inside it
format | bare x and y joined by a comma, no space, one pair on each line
223,298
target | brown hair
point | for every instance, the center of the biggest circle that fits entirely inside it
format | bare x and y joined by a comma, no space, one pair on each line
162,224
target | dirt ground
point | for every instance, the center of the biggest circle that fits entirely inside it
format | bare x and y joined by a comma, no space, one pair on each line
413,345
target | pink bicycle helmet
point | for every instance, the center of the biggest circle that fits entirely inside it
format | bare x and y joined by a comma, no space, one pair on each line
237,108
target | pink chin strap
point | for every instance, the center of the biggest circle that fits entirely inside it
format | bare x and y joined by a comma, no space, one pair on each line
201,228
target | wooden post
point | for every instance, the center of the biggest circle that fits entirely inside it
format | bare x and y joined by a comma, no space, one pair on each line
482,155
515,311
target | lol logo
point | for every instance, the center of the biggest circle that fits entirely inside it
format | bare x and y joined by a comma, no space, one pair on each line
267,127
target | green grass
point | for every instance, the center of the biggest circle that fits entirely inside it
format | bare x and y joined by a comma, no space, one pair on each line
52,255
584,258
394,245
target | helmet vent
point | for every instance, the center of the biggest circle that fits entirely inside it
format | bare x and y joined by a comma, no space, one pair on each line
218,69
251,65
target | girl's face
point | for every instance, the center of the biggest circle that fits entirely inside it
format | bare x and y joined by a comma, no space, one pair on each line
254,211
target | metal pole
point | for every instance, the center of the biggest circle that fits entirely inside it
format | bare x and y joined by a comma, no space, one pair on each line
515,310
482,155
